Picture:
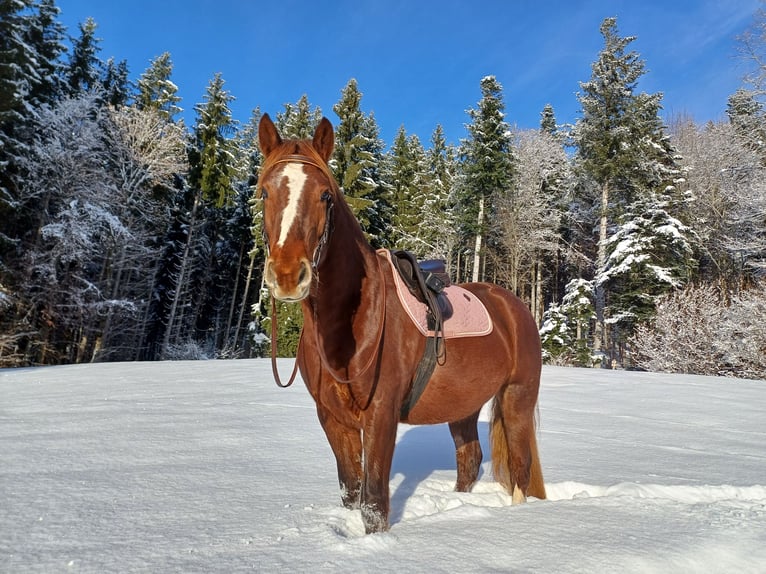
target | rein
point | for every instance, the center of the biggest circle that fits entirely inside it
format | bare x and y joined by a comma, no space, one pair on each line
323,240
375,348
274,368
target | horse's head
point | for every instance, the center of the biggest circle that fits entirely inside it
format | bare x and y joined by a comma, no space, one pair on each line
298,191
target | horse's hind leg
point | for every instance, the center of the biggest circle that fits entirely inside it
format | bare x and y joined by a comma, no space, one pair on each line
467,451
514,448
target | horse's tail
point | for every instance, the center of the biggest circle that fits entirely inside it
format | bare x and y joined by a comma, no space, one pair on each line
501,455
536,483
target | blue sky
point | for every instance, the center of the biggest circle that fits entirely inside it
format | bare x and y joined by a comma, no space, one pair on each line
419,62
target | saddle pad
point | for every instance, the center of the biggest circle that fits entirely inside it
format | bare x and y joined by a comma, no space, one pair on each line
469,318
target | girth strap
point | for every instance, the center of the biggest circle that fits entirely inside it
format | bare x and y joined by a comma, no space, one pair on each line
426,286
422,375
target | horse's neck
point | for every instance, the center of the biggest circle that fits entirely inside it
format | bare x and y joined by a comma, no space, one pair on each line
344,308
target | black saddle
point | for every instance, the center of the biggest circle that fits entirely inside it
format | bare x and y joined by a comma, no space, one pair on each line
426,280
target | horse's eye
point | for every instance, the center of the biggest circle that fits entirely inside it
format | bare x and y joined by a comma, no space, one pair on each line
264,193
326,196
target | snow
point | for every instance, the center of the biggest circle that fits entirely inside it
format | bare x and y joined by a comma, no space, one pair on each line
208,467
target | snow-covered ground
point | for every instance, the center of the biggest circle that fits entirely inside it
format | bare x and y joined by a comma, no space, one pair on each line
208,467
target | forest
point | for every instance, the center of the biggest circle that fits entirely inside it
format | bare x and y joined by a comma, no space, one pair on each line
125,234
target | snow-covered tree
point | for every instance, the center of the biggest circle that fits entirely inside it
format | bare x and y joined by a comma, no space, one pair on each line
565,330
407,177
725,200
650,253
487,167
623,154
438,233
85,67
156,90
357,164
528,216
298,121
201,212
702,330
31,42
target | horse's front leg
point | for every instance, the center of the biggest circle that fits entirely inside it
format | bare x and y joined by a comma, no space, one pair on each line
379,442
346,444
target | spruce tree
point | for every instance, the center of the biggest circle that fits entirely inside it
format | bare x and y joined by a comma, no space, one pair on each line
211,159
116,84
31,41
84,68
357,163
548,120
439,229
487,168
406,168
156,90
623,154
298,121
211,188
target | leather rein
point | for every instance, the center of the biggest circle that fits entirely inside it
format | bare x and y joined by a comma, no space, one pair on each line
316,258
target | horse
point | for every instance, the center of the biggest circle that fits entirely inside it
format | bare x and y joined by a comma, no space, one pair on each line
359,350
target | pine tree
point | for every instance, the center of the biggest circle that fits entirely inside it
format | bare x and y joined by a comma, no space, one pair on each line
84,68
116,83
250,303
298,121
212,168
211,185
156,90
487,168
622,151
565,328
47,36
405,174
357,162
31,41
747,117
548,120
439,230
650,253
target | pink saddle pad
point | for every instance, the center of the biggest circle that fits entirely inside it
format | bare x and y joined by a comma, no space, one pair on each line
469,318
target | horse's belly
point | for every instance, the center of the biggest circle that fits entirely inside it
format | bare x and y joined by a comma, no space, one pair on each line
446,399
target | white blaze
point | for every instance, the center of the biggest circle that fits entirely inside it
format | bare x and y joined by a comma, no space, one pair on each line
296,179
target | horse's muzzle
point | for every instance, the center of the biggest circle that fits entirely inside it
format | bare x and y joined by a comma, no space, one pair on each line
289,283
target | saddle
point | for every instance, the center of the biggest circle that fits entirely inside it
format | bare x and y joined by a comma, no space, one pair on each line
426,280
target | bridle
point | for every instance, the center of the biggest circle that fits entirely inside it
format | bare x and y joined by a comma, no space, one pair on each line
327,197
316,259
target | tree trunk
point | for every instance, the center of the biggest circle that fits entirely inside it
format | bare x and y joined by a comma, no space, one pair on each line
599,331
181,277
477,245
245,299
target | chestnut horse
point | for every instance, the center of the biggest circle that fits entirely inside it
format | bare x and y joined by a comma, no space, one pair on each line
359,350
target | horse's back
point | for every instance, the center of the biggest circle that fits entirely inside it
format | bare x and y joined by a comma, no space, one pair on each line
513,326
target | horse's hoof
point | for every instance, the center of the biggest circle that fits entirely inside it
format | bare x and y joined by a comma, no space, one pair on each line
374,520
518,496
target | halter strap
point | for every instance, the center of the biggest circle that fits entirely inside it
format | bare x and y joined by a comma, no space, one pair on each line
297,158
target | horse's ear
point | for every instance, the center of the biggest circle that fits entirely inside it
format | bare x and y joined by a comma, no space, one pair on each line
324,139
268,136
